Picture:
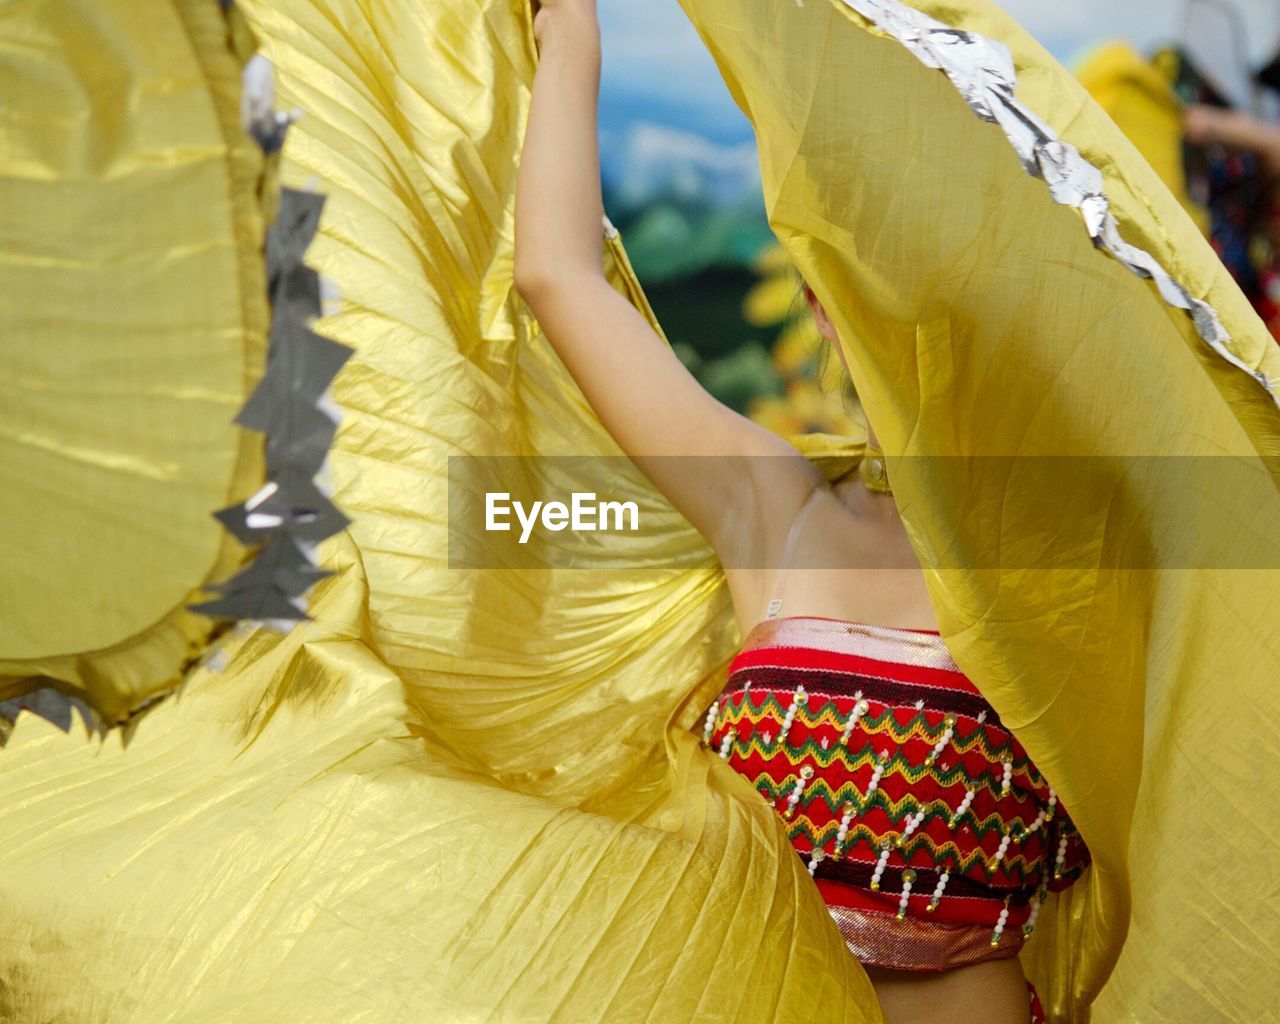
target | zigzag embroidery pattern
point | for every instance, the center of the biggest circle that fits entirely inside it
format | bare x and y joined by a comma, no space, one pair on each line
884,725
946,856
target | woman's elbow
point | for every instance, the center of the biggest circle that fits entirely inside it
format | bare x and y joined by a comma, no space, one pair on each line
532,280
544,284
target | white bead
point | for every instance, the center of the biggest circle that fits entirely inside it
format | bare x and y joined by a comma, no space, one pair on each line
964,806
904,900
1000,923
880,865
859,709
1003,848
710,725
878,773
1062,855
842,833
947,733
726,745
1030,924
797,699
936,898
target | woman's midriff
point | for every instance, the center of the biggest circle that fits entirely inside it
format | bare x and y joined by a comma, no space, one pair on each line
986,993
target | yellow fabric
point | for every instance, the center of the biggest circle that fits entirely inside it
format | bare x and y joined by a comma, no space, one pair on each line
472,796
455,796
132,326
978,318
1142,103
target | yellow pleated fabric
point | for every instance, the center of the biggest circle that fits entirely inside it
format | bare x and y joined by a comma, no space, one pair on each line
455,795
133,319
979,319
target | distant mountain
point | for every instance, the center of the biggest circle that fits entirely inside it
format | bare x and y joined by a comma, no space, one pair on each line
684,204
669,240
651,162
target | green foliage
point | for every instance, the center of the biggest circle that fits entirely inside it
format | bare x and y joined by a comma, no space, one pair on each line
695,261
745,374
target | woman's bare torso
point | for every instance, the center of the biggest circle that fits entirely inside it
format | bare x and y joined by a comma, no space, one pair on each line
852,560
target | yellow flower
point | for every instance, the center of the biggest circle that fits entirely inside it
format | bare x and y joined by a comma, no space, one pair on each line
808,404
770,301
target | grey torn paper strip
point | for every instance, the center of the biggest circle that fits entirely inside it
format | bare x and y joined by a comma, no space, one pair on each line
271,586
289,405
291,513
51,705
982,70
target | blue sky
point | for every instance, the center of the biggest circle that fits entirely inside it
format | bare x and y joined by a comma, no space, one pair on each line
657,70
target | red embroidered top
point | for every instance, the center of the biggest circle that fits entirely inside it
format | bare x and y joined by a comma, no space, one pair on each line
931,835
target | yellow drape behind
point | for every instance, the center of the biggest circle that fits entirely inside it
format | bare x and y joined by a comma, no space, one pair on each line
1142,103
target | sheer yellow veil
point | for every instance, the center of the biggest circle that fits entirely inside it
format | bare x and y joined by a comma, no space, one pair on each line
945,186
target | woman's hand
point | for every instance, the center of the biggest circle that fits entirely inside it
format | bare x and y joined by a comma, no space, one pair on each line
547,12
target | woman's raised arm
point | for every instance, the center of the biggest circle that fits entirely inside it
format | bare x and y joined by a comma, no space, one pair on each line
645,397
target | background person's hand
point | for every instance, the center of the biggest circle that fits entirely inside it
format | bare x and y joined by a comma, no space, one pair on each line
1204,125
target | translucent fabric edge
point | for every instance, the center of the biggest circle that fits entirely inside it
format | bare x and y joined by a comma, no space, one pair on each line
982,71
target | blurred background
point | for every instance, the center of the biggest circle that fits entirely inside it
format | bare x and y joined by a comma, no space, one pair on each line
1194,83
